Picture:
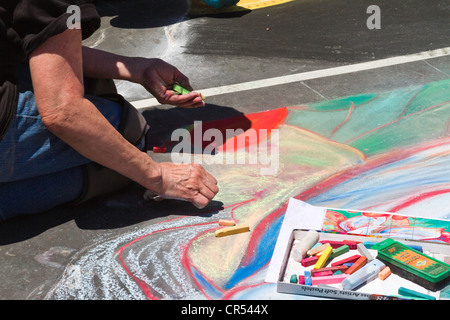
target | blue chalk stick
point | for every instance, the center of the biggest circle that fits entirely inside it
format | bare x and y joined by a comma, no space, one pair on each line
348,264
307,275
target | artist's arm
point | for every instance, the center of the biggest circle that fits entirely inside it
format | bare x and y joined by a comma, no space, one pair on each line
155,75
57,74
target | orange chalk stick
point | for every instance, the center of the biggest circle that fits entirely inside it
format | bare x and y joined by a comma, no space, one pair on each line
357,265
224,222
384,273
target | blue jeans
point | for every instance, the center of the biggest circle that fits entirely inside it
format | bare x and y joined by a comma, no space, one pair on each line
38,171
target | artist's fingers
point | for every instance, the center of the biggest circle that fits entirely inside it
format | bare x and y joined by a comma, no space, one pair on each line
207,186
180,78
190,100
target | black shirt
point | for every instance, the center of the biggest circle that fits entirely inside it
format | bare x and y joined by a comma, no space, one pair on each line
24,26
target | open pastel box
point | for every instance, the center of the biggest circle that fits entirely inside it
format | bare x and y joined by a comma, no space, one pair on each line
375,289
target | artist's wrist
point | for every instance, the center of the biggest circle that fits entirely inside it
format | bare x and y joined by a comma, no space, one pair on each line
152,179
140,69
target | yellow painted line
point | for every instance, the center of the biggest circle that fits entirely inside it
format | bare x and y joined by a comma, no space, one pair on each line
198,7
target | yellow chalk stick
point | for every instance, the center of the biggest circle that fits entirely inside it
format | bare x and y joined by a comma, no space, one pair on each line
323,258
232,230
224,222
317,250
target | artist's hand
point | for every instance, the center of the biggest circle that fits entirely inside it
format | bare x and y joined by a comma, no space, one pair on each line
158,78
190,182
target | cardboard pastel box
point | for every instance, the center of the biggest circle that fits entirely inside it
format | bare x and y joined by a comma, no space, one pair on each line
375,289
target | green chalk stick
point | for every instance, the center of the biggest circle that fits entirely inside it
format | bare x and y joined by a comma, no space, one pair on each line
293,279
411,293
180,90
338,251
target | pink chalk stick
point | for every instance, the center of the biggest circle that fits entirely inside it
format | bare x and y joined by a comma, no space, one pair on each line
328,279
323,273
301,279
309,261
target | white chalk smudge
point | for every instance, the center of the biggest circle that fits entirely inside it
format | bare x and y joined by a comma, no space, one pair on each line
96,272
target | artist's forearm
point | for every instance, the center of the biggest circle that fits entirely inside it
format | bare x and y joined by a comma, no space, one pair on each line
84,128
105,65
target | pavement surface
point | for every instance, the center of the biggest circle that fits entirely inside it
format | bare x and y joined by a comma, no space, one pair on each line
217,50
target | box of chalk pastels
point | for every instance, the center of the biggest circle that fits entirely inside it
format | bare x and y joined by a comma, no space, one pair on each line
359,267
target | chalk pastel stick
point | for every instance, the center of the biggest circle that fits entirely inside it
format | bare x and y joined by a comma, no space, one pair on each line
339,251
348,264
224,222
293,279
159,149
336,244
364,274
356,265
414,294
180,90
386,272
307,276
300,249
322,274
232,230
323,258
333,269
301,279
349,259
318,249
329,279
352,244
318,244
364,252
309,261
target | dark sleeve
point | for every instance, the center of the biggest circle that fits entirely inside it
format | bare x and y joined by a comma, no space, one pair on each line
37,20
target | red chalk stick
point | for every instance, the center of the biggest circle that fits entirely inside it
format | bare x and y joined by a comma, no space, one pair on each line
337,244
357,265
349,259
352,245
332,269
309,261
159,149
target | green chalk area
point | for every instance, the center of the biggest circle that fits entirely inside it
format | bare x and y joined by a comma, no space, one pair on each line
378,122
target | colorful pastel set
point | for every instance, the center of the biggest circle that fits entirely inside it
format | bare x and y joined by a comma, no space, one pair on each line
350,265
